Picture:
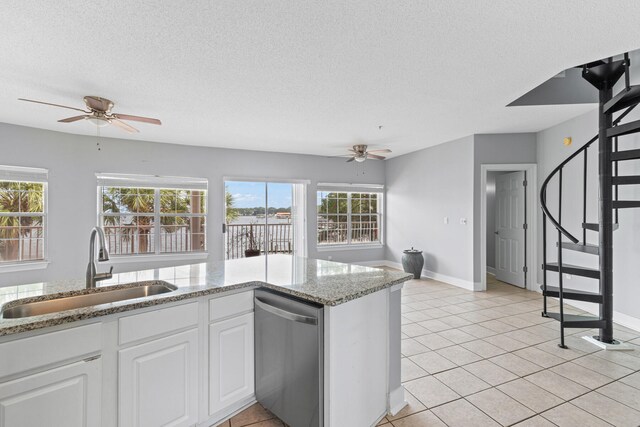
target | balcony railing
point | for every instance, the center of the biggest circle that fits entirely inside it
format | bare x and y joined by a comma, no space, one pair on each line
21,243
279,239
140,239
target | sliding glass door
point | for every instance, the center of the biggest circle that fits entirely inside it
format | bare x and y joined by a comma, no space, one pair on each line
264,218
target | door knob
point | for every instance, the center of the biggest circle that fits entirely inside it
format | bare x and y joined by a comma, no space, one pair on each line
495,232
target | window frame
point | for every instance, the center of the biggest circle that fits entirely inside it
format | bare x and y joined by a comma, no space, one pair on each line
157,184
349,190
34,176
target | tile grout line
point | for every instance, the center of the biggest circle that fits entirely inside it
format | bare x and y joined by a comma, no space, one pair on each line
582,354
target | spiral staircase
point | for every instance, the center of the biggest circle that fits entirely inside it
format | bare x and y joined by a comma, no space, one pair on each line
602,75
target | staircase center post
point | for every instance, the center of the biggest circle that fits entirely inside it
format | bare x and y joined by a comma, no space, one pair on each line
605,167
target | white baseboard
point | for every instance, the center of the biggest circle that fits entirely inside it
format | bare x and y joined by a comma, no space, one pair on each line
491,271
461,283
465,284
396,400
619,318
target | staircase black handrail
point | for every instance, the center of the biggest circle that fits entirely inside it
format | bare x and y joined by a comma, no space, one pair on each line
543,191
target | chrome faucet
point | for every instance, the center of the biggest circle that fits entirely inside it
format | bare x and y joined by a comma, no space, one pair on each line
103,255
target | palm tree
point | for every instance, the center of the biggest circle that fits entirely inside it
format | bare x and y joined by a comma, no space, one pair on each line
139,205
231,213
19,197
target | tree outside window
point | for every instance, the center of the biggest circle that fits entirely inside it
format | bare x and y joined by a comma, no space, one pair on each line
346,218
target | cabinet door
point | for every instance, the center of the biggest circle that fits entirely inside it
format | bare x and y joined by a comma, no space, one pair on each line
158,382
230,362
68,396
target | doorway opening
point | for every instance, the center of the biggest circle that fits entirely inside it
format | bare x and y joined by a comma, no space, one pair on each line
508,217
507,226
264,217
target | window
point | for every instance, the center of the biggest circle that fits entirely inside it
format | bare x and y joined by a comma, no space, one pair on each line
348,217
144,215
23,193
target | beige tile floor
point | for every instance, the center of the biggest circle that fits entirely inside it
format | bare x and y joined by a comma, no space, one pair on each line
489,359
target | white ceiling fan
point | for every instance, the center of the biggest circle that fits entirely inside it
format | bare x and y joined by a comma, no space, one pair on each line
99,113
360,153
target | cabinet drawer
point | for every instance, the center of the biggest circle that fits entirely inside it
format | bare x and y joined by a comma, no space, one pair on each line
231,305
157,322
48,349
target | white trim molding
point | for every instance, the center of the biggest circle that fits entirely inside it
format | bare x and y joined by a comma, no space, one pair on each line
132,259
23,266
347,247
531,170
397,400
427,274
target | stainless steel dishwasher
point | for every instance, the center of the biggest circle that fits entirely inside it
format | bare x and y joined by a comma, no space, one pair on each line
289,358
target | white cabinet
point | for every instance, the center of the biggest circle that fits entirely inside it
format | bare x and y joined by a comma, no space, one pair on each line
231,372
158,382
67,396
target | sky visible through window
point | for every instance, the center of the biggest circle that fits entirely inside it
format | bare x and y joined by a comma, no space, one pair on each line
251,194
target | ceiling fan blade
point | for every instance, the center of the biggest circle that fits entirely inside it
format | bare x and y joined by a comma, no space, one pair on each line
381,150
72,119
351,159
49,103
373,156
124,126
138,119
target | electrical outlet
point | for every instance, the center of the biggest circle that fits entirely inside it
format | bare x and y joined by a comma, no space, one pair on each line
446,220
567,276
329,257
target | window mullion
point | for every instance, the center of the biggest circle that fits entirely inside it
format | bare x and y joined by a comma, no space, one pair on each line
348,218
156,219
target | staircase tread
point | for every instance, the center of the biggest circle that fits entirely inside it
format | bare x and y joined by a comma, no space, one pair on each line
569,291
621,204
567,265
582,247
626,179
625,154
576,270
625,98
594,226
576,318
599,74
623,129
572,294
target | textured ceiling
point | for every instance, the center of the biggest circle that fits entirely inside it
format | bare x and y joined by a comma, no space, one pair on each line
305,77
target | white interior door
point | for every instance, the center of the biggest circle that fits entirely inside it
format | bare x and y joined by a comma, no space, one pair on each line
510,228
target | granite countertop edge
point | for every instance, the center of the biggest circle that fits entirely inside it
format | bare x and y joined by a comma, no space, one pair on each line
15,326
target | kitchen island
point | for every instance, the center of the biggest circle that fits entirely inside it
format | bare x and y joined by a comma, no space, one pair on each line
185,357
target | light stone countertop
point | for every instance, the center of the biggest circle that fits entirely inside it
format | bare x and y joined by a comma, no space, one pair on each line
324,282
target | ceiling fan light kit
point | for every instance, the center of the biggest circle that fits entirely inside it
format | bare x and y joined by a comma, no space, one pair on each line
98,121
99,113
359,153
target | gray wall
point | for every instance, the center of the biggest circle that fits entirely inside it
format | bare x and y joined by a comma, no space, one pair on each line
425,186
508,148
422,188
626,268
73,160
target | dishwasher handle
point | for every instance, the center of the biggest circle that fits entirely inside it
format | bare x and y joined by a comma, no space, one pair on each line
284,313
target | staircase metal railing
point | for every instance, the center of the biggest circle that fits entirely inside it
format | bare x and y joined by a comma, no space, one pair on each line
557,221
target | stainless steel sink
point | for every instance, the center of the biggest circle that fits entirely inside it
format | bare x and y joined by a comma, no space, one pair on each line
87,298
